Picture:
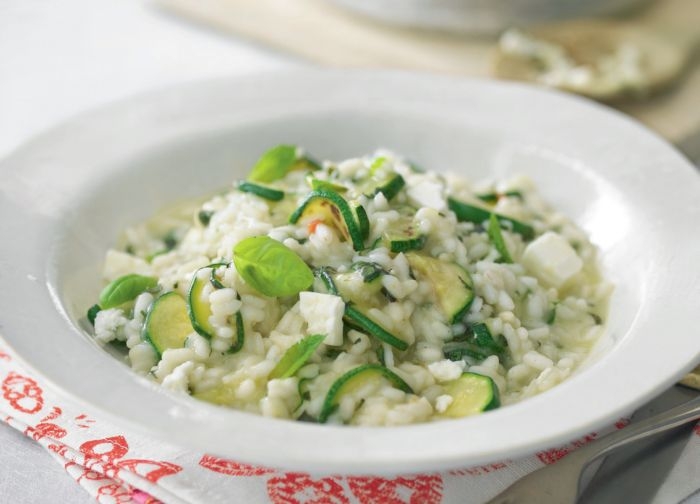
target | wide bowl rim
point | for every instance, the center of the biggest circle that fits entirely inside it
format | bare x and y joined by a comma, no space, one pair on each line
355,450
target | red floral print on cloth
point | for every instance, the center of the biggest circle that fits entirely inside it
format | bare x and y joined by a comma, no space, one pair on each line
296,488
555,454
480,470
422,489
231,467
105,454
23,393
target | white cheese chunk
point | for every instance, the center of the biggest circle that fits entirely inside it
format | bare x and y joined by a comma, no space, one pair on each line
428,193
551,259
324,315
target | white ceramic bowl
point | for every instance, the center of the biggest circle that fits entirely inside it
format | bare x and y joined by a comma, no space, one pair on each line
65,196
483,16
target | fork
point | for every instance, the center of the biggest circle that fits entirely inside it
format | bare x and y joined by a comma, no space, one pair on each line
559,483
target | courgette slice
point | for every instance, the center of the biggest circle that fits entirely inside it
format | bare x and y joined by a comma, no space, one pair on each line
382,181
199,309
334,211
476,343
167,323
496,237
471,394
265,192
317,184
359,286
362,221
368,270
369,326
470,213
296,356
355,380
403,235
452,285
493,197
355,316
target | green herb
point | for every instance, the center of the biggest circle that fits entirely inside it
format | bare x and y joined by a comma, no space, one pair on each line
270,267
204,217
496,237
124,289
170,240
274,164
296,356
376,164
92,313
368,270
324,274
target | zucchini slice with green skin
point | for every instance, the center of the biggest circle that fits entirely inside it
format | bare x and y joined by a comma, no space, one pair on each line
493,197
389,184
452,284
240,333
357,288
199,309
125,289
368,270
477,343
355,317
92,313
325,185
296,356
262,191
403,235
471,394
496,237
332,208
354,380
368,325
470,213
362,221
167,323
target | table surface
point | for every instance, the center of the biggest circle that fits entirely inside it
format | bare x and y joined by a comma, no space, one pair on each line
58,59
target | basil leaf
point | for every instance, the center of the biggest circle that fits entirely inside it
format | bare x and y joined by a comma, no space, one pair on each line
296,356
270,267
124,289
274,164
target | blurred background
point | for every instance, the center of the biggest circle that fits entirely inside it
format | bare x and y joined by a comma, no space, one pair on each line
640,56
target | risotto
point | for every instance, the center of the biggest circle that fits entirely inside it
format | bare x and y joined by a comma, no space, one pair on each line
366,292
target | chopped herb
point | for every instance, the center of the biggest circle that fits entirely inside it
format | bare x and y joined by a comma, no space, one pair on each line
204,217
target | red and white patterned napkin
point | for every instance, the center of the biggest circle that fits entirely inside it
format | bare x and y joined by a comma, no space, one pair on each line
116,466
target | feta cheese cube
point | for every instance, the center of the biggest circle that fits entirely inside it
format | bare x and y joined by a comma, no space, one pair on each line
446,370
551,259
428,193
324,315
